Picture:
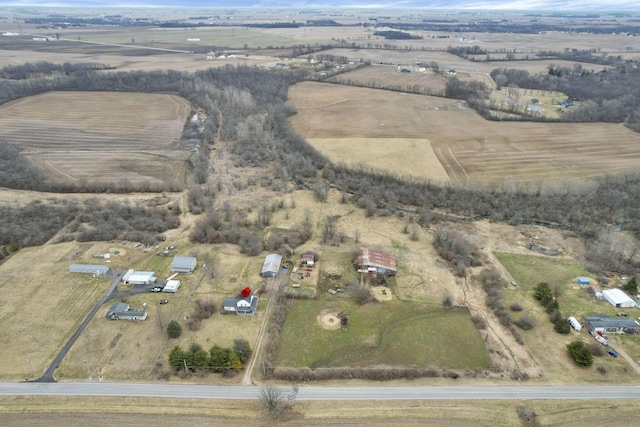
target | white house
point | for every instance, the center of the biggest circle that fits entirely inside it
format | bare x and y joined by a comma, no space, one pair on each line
121,311
246,305
618,298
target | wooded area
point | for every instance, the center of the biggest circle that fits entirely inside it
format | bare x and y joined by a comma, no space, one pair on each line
251,103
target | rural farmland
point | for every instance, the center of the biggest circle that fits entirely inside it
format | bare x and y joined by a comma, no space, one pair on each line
413,232
468,147
90,137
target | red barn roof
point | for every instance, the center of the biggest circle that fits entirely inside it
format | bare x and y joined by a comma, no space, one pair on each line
370,258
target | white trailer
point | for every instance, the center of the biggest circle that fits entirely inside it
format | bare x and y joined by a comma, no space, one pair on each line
575,324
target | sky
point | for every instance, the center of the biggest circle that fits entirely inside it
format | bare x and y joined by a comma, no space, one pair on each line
569,5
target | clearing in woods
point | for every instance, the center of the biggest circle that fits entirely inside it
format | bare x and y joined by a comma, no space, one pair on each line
89,137
469,147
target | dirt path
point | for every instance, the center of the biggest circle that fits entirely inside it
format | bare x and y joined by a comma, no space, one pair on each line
274,287
508,355
625,356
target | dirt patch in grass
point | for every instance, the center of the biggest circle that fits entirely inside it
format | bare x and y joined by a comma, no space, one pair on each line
382,293
329,319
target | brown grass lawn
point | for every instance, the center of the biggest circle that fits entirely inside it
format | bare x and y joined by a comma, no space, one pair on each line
100,136
42,304
409,158
81,411
122,350
468,147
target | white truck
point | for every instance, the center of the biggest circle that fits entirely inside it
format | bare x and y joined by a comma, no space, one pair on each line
575,324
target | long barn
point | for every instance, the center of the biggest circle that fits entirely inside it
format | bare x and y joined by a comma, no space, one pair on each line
89,269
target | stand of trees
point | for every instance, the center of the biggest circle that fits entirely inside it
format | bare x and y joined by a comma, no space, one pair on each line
226,361
611,95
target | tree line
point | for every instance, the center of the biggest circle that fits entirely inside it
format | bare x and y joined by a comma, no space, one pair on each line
195,359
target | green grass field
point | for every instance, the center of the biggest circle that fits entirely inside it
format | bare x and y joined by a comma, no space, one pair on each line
399,333
529,270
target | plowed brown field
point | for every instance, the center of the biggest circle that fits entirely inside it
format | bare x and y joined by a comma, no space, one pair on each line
87,137
469,147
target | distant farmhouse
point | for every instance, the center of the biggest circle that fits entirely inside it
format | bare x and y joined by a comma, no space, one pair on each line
121,311
89,269
183,264
602,323
246,305
376,262
271,265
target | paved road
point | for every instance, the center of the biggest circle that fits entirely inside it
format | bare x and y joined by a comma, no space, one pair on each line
191,391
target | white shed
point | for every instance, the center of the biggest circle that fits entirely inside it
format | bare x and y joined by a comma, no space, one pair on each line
618,298
142,278
171,286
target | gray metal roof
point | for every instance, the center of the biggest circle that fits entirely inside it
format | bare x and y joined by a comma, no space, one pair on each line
181,263
271,263
88,268
602,321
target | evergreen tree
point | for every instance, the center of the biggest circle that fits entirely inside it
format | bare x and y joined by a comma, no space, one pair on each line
178,358
631,287
174,330
580,354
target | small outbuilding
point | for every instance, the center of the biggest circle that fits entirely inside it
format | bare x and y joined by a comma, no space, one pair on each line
183,264
617,298
602,323
307,259
172,286
583,281
142,278
271,265
376,262
89,269
121,311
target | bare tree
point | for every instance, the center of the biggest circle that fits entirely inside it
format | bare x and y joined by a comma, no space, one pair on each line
160,319
271,400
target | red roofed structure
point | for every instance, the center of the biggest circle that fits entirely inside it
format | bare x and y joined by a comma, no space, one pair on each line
376,262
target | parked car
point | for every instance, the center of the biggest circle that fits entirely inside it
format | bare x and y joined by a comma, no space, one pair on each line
613,353
156,289
164,301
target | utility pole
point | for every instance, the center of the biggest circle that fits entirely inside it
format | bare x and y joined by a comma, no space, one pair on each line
86,365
